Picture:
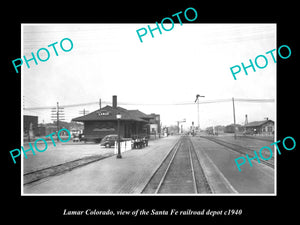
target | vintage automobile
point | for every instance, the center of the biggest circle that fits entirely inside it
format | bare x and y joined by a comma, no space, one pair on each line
136,141
109,140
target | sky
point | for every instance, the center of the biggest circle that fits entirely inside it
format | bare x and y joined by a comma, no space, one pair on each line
155,76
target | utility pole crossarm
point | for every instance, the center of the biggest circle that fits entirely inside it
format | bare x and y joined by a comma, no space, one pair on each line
57,114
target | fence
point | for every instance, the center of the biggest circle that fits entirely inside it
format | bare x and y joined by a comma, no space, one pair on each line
124,146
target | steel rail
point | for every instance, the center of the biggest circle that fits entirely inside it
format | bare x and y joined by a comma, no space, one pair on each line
227,145
193,171
167,169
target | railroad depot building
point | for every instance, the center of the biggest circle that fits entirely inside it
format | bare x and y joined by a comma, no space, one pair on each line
265,127
104,121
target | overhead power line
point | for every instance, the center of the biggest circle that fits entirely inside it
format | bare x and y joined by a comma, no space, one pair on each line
254,100
160,104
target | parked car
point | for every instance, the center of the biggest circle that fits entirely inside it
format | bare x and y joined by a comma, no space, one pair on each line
76,137
109,140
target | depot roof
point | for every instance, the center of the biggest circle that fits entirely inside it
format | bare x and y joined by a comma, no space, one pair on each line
110,113
258,123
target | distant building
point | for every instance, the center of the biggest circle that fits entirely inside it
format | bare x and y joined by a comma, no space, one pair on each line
154,124
219,129
230,128
265,127
76,128
30,123
104,121
48,128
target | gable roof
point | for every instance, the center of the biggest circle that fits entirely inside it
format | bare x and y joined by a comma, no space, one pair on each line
139,114
258,123
110,113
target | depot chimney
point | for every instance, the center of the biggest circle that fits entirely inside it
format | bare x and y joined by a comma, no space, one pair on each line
114,101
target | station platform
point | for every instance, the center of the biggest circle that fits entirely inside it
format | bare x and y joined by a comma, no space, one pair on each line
127,175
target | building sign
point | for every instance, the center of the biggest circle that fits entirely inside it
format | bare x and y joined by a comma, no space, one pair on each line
103,113
104,129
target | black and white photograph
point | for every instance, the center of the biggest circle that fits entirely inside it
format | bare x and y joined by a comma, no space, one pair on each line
150,113
168,115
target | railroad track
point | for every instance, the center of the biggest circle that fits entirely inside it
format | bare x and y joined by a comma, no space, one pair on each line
37,175
240,149
180,172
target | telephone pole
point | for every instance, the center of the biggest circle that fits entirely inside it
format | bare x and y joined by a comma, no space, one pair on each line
246,119
197,100
57,114
234,118
84,112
